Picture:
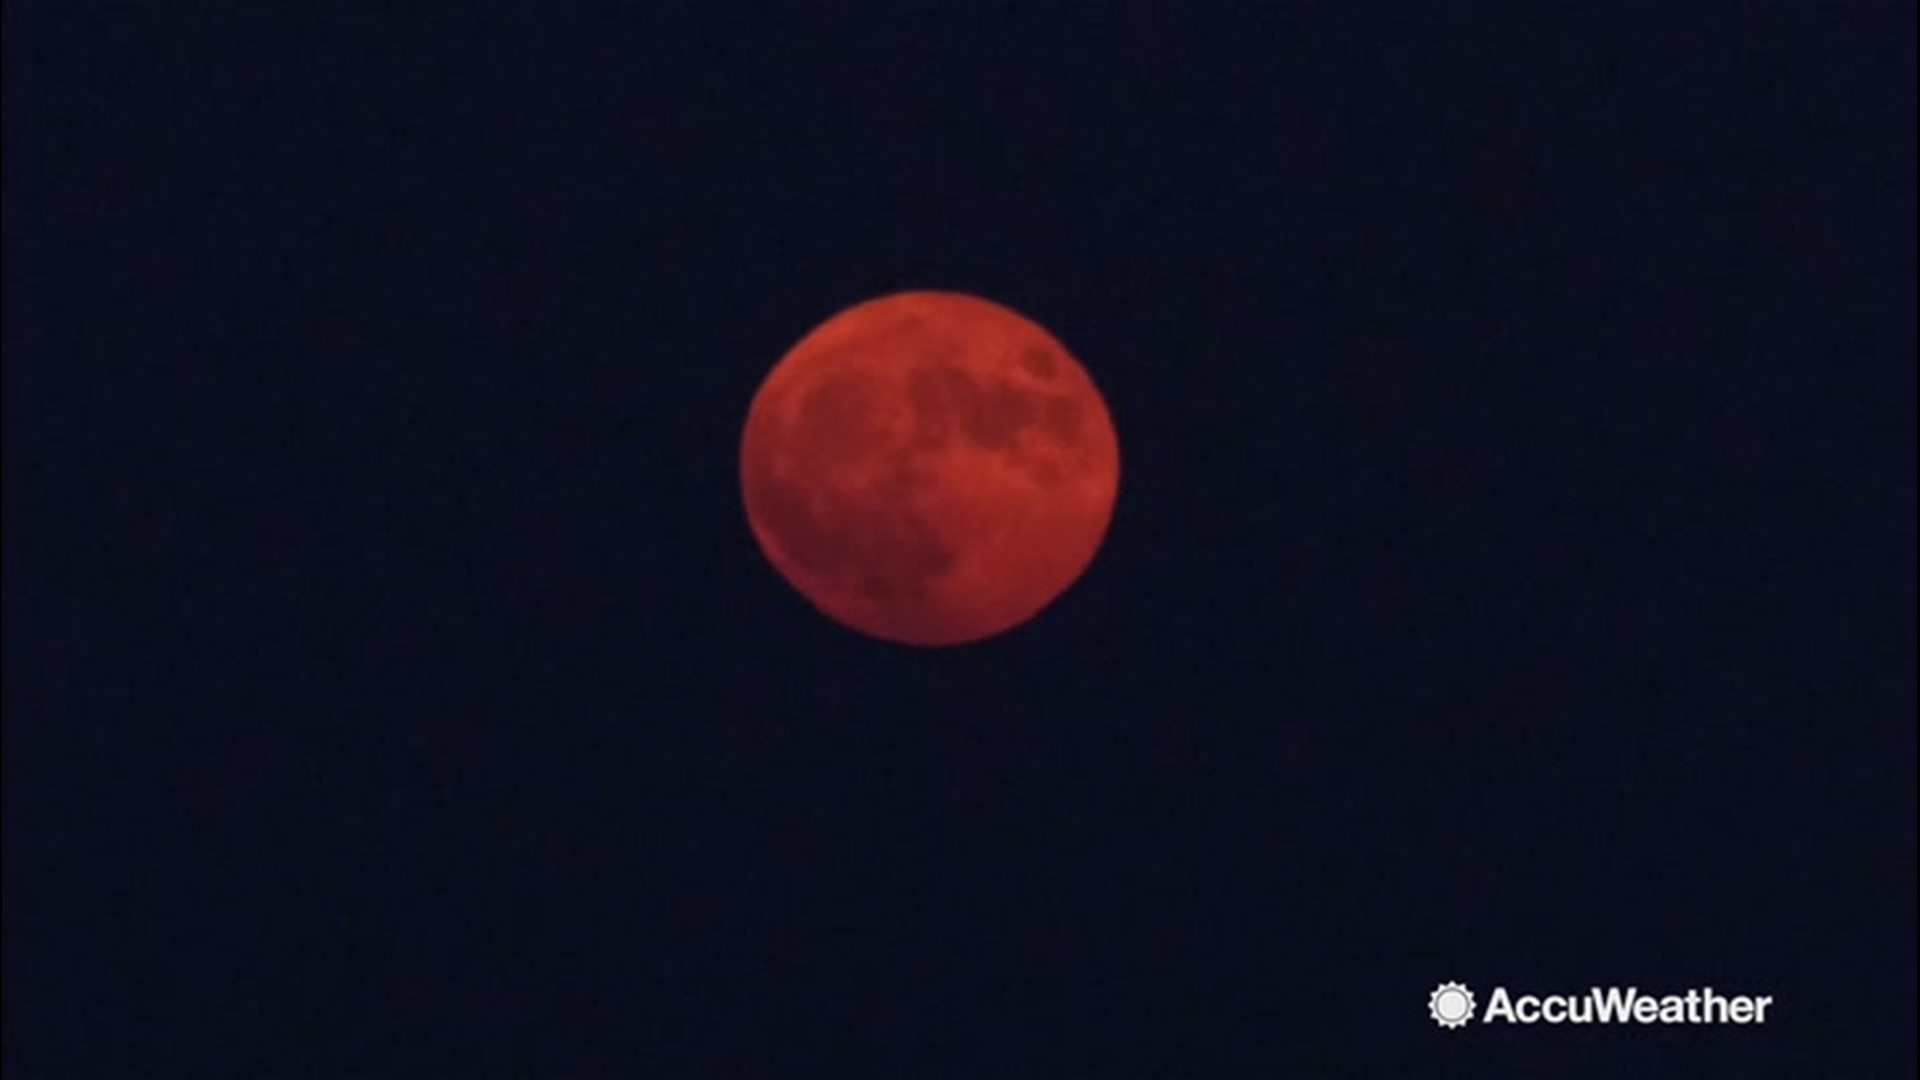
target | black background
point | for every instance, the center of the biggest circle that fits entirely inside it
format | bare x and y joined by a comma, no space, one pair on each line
1512,580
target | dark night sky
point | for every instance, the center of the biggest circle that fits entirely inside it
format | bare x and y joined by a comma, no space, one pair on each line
1512,580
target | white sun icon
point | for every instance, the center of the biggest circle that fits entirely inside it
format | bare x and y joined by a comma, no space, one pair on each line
1450,1005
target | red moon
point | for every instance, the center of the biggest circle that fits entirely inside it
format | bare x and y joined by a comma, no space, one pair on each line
930,468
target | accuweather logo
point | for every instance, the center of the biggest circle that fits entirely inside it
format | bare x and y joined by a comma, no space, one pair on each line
1453,1006
1450,1005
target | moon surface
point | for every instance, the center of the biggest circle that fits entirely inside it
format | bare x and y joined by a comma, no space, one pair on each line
929,468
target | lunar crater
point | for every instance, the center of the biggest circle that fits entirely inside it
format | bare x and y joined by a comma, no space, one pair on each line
1039,362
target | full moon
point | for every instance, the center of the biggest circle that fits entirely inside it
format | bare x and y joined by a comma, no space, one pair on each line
929,468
